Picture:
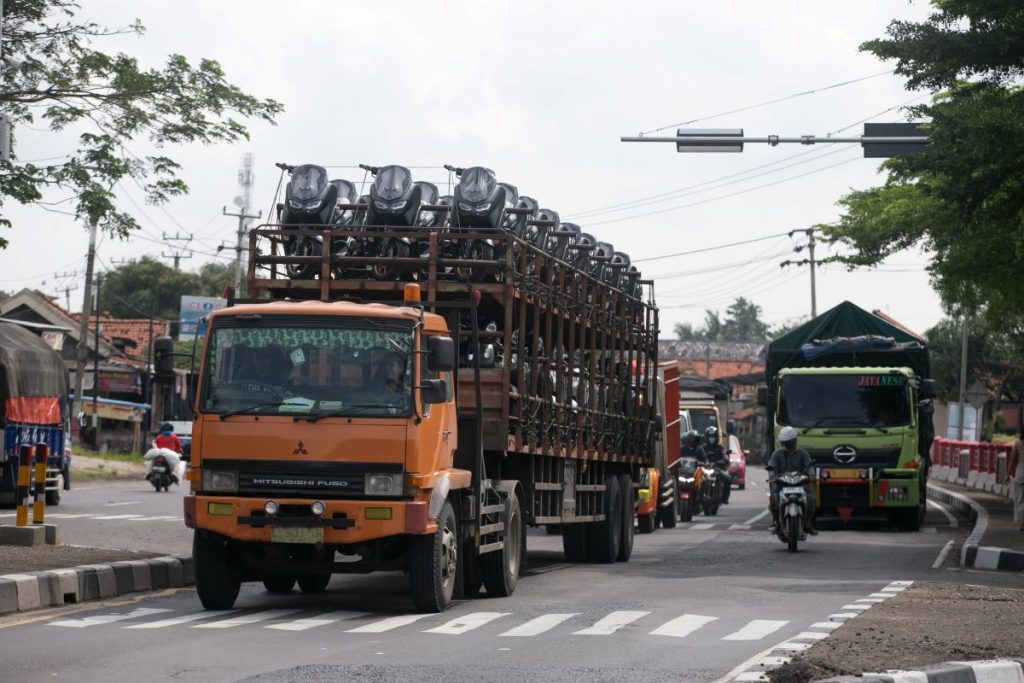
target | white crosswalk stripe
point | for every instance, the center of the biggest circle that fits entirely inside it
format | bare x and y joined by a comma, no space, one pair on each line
680,627
119,517
108,618
183,619
809,635
467,622
611,623
312,622
756,630
539,625
251,618
701,527
388,624
830,625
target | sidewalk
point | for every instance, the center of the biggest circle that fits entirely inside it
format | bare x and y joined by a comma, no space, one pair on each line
996,542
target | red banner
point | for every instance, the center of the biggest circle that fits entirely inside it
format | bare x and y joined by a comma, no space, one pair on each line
43,410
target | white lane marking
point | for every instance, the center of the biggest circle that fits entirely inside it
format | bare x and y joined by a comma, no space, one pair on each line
751,676
322,620
757,517
861,607
794,646
902,676
830,625
883,596
467,622
953,521
701,527
128,502
939,561
108,618
183,619
809,635
680,627
541,624
774,661
756,630
843,615
905,584
611,623
388,624
252,618
739,527
739,669
66,515
118,517
870,601
159,518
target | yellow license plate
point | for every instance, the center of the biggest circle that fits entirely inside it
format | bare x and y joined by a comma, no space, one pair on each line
296,534
838,473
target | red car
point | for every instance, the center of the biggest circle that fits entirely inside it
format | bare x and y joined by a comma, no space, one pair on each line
737,462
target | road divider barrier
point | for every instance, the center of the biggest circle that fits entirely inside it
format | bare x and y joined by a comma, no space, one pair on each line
976,465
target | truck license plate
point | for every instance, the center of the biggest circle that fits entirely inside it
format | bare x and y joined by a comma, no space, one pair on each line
839,473
296,534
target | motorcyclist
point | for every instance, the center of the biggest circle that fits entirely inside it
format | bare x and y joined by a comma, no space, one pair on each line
691,446
167,438
789,458
718,459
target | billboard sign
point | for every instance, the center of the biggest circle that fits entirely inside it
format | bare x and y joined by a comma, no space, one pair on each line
193,310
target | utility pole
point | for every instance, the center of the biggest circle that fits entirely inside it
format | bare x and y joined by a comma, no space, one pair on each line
66,284
177,253
82,350
244,215
96,366
810,261
243,231
963,376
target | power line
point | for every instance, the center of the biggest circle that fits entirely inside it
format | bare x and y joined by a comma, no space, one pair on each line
703,249
809,261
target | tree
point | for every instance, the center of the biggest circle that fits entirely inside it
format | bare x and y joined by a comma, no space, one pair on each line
214,277
109,100
962,198
134,290
995,356
742,324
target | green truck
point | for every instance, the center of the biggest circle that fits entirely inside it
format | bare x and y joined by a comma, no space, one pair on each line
856,388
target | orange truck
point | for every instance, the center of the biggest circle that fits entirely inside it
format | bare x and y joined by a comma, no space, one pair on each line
347,424
657,494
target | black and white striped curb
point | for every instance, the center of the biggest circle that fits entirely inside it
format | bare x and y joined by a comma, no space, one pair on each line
973,554
56,587
989,671
757,667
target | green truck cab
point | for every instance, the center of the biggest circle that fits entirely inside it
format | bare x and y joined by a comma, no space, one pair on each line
855,388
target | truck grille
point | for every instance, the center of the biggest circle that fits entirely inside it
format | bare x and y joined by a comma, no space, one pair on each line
302,479
865,457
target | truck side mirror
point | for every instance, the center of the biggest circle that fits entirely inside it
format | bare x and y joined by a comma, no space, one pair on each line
730,427
440,355
928,389
762,396
163,356
433,391
659,423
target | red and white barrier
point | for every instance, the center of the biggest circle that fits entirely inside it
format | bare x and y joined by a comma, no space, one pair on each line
976,465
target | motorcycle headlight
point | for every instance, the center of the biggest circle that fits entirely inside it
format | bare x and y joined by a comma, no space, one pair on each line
305,206
686,480
389,206
475,208
220,481
383,484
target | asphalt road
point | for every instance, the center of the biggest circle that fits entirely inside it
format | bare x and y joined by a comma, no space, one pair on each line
693,604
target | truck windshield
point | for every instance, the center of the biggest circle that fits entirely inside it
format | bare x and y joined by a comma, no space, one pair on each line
844,401
702,418
316,372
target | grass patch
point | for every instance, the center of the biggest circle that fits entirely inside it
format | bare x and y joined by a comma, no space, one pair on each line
111,456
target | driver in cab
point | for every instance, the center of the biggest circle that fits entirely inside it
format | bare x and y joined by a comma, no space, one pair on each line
390,378
266,372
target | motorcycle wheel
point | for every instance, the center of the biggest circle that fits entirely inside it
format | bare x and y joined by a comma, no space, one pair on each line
477,251
156,484
685,510
302,246
793,531
387,269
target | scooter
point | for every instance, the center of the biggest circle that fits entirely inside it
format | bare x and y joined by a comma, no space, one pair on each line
689,486
162,466
480,202
310,200
792,502
395,203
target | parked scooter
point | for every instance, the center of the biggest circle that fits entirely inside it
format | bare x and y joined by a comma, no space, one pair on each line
309,201
480,202
394,203
792,508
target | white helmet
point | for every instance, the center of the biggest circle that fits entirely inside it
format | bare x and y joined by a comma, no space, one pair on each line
787,434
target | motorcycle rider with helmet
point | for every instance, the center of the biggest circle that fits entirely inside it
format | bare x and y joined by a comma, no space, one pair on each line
789,458
690,446
167,438
717,459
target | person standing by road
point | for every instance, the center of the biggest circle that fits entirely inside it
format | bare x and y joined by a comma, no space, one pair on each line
1015,475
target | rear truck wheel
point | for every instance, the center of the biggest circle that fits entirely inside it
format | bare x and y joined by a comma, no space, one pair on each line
433,562
553,529
604,538
645,524
500,569
742,486
628,514
313,584
794,531
667,513
217,583
53,497
278,584
469,583
910,519
574,542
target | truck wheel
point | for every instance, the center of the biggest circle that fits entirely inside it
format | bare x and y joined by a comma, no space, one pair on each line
278,584
553,529
500,569
645,523
668,514
313,584
742,487
471,580
217,584
53,497
910,519
574,542
605,537
433,561
628,514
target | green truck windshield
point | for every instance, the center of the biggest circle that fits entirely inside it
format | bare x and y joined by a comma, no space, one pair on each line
844,401
308,372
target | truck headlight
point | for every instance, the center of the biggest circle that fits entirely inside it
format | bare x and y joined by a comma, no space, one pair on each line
383,485
220,481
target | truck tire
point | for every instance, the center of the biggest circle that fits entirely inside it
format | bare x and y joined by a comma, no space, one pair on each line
313,584
645,523
668,514
500,569
53,497
628,515
432,564
217,584
279,584
605,537
910,519
574,542
469,584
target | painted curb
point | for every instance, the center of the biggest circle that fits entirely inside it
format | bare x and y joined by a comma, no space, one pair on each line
972,509
986,671
56,587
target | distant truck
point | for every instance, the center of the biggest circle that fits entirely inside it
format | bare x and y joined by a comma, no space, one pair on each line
856,389
33,409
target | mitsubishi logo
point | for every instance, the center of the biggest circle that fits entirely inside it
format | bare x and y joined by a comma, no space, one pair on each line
844,454
300,450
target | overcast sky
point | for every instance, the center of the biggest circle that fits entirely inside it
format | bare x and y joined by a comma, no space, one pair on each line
541,93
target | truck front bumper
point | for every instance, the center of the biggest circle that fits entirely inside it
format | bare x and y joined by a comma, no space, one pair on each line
890,488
